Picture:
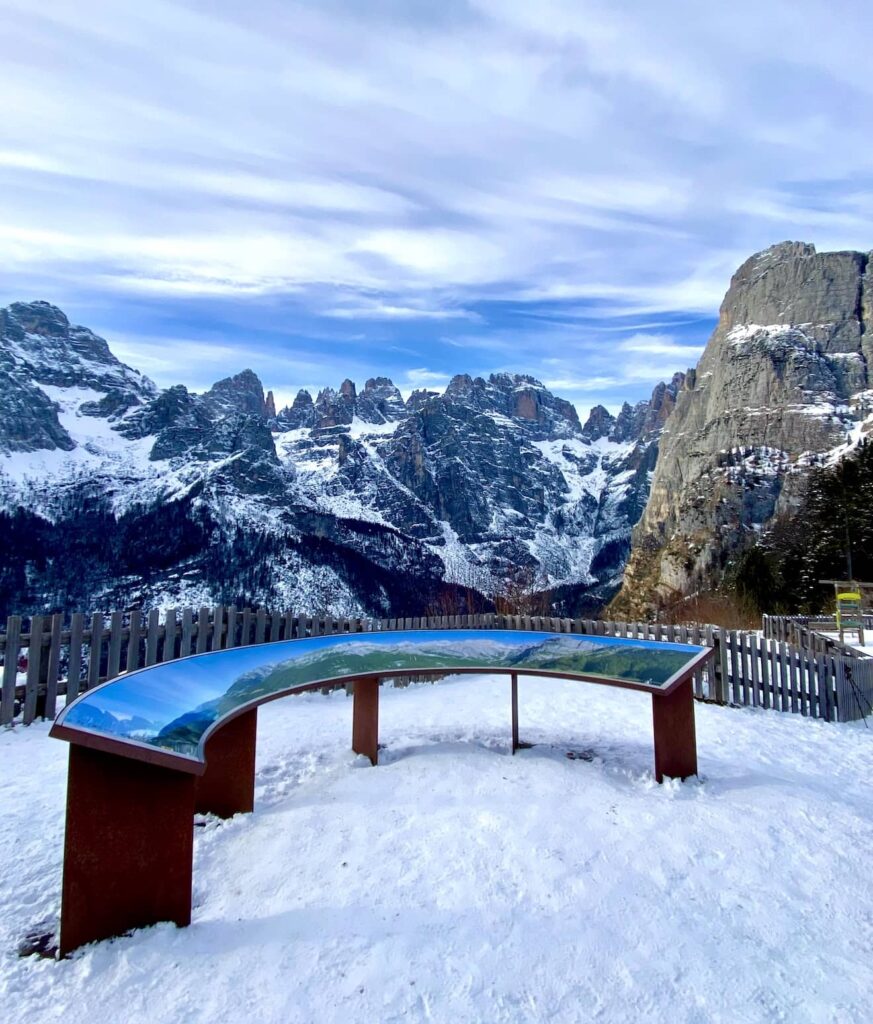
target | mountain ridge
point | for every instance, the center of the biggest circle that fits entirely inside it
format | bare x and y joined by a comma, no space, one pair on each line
351,501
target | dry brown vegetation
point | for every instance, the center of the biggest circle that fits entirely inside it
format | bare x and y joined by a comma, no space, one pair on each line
709,607
523,594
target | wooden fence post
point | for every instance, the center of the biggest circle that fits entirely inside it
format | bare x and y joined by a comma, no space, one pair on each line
113,663
169,651
74,667
202,631
187,632
133,639
95,650
34,660
217,628
10,669
49,702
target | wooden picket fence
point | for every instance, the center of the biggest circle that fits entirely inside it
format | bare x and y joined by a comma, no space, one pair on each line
49,656
808,632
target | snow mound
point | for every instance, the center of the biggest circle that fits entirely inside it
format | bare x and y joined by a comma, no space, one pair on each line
456,882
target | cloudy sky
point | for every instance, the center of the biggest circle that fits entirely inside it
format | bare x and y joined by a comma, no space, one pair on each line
412,188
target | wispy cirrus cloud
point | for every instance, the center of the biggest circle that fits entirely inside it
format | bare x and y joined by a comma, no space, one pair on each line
471,186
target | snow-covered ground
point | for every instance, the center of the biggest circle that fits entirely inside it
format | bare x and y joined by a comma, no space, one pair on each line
458,883
851,639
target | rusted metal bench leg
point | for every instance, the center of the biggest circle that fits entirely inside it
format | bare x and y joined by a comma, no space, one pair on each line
365,719
128,848
675,738
514,712
228,785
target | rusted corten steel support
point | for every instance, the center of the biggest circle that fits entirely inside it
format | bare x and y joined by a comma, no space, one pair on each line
675,737
128,851
227,787
365,719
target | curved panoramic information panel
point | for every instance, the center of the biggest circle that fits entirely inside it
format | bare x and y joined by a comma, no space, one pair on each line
166,712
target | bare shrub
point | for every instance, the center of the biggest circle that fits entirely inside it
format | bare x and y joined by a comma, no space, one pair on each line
709,608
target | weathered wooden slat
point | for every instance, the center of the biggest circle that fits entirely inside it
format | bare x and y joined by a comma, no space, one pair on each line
288,627
217,640
246,634
768,674
733,676
260,625
781,674
202,643
745,669
74,665
95,650
811,701
187,633
724,668
34,664
133,638
825,683
823,676
153,630
801,681
840,687
169,651
712,682
275,626
697,679
851,710
796,680
775,674
10,669
784,668
768,683
232,622
54,665
113,663
758,697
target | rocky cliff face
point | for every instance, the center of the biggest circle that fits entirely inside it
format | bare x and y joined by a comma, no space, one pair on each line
113,492
784,382
40,354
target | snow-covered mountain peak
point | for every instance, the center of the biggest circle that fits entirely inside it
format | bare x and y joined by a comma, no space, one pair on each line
355,500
